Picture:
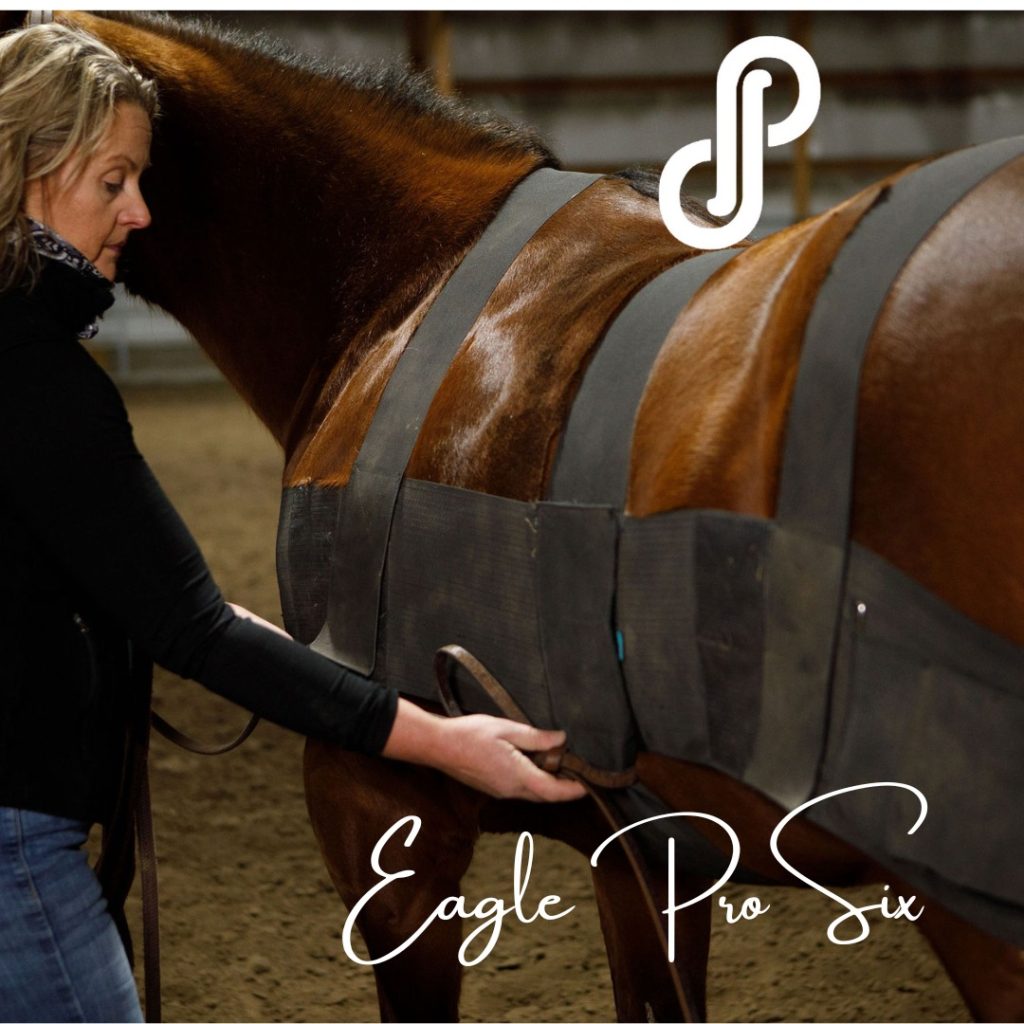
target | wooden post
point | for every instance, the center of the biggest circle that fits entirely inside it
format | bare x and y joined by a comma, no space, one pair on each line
800,32
741,27
429,36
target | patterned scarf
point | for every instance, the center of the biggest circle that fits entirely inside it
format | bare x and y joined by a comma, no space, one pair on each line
49,244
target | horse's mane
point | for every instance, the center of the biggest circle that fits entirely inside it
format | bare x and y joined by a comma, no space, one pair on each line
392,85
388,83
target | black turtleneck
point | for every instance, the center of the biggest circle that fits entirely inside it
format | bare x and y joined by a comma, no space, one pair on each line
61,302
93,553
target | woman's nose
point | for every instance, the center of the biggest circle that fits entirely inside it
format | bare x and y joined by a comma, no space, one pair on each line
136,215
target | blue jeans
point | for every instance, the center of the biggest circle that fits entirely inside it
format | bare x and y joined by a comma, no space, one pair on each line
61,958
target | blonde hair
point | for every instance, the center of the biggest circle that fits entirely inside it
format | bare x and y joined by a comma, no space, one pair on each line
59,88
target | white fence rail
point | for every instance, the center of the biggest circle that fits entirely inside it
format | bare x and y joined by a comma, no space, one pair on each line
140,345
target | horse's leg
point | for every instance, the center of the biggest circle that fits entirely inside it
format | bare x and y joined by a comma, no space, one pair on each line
353,800
988,972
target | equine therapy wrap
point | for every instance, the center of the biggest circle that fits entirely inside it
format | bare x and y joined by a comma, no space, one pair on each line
776,651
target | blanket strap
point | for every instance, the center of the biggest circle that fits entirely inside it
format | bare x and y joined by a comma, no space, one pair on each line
366,506
593,462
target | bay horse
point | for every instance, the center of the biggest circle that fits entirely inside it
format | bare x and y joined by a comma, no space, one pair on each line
304,220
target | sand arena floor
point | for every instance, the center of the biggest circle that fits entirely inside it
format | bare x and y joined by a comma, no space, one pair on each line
251,925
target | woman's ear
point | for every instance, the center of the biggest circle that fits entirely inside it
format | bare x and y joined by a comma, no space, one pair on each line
34,202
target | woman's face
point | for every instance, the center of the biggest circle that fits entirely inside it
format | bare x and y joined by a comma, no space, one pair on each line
94,207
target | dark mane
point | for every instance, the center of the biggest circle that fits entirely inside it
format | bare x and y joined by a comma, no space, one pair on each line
416,92
393,85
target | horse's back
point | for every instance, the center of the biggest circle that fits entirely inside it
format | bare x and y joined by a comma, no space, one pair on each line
495,423
939,410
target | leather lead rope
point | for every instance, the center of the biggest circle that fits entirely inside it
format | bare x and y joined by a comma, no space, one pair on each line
561,761
186,742
143,810
150,895
143,813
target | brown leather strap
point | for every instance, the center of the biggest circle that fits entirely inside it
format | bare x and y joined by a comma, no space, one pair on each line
186,742
150,898
131,821
562,762
143,815
680,988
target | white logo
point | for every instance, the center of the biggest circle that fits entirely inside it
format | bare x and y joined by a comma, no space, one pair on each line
684,160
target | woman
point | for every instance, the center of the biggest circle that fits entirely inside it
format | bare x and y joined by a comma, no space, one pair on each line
94,555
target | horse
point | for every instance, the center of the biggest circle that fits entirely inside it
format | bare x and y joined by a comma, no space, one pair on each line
305,219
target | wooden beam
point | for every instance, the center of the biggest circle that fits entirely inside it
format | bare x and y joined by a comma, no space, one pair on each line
742,27
429,45
878,166
800,32
918,82
584,83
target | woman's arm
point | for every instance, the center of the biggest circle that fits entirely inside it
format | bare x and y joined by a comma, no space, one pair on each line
479,750
70,468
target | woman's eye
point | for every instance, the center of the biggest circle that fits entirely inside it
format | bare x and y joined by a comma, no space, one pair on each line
113,187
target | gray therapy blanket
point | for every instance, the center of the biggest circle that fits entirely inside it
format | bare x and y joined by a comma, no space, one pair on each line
775,651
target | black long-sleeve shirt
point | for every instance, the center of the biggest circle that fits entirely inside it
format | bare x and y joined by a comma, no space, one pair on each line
88,540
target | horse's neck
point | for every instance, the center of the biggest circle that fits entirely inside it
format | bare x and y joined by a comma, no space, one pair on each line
290,208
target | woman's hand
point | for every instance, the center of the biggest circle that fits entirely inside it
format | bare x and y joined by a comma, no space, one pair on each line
482,751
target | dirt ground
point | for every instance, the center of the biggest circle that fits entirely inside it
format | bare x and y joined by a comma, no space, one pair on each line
251,925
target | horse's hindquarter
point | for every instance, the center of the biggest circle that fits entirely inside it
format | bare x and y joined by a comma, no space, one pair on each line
936,491
939,482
